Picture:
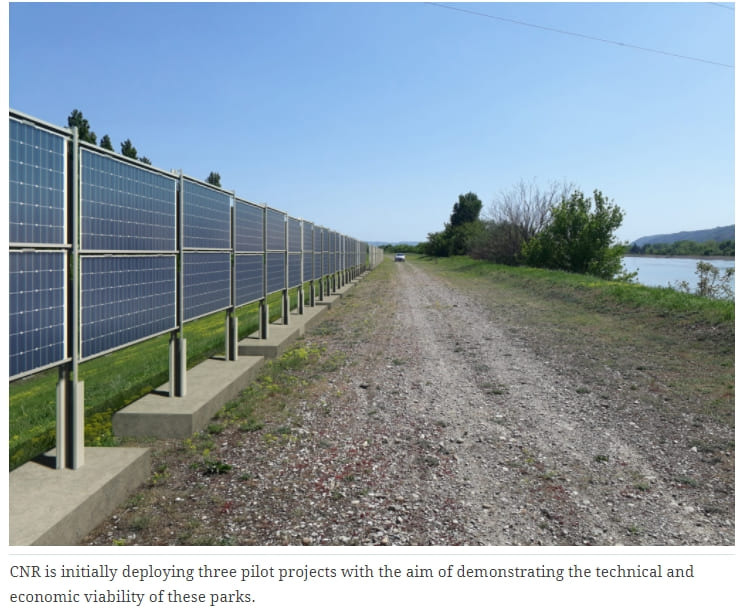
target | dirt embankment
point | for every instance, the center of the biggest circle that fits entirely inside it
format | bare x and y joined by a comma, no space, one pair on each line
433,416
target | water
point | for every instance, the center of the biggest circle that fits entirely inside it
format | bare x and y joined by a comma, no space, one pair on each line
665,271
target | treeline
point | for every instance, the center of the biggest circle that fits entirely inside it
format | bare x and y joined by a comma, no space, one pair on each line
685,248
77,120
553,228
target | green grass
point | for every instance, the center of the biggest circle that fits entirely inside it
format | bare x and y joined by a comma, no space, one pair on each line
115,380
593,291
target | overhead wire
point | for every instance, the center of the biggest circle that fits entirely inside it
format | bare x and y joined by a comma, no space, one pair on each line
578,34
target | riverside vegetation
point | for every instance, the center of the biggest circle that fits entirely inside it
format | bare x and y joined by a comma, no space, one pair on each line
457,402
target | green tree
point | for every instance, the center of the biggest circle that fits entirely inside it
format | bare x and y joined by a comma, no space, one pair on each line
214,179
145,160
127,149
466,209
106,143
76,119
580,238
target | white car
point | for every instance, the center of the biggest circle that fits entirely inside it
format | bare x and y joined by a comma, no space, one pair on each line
399,257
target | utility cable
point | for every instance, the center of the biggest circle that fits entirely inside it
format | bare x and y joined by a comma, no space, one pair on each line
577,34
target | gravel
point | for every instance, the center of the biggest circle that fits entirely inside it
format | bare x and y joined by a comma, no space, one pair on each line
431,420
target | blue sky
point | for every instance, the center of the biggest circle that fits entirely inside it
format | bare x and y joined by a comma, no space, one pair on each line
372,118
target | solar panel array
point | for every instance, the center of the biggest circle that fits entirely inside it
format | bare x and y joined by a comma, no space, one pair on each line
230,253
126,299
126,207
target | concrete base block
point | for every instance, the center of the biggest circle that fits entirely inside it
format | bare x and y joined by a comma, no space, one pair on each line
58,507
210,385
280,337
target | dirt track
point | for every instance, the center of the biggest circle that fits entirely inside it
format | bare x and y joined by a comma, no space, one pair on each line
431,418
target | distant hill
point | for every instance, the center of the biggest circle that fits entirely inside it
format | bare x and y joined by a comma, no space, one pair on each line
721,233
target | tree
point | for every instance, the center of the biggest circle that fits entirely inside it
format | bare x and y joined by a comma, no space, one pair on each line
580,238
516,216
145,160
466,209
76,119
127,149
106,143
214,179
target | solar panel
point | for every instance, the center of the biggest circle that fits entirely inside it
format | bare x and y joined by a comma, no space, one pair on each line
125,299
207,217
126,207
307,236
249,278
294,272
249,227
37,310
37,185
294,229
275,272
207,283
275,230
308,267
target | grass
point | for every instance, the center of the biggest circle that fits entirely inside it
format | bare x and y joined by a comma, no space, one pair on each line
592,291
115,380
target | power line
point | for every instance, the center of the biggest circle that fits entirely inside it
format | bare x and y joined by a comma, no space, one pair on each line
577,34
720,5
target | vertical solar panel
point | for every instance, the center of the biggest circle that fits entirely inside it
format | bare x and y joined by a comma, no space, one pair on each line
294,234
294,270
308,255
37,186
37,310
125,207
249,227
275,227
249,278
207,283
207,217
125,299
275,271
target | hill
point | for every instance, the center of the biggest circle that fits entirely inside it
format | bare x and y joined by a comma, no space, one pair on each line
721,233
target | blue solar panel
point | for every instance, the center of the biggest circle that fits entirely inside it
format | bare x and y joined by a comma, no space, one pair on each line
249,278
207,283
275,272
294,229
275,230
37,310
207,217
37,185
126,299
126,207
294,271
308,266
307,236
249,227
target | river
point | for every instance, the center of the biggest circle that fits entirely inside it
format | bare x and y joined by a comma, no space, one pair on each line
655,271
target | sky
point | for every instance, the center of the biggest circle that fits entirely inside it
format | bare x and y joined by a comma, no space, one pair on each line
371,119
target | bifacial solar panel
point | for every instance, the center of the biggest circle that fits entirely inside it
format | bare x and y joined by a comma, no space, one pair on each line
207,283
275,230
249,227
125,299
294,234
294,277
275,272
307,237
126,207
308,266
37,310
249,278
207,217
37,185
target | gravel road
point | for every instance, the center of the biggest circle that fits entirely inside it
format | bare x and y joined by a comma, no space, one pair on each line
431,420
